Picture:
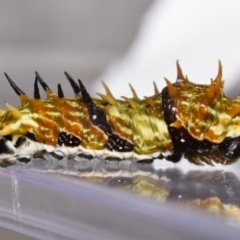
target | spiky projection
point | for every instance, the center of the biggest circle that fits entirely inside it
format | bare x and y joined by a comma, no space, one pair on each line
186,119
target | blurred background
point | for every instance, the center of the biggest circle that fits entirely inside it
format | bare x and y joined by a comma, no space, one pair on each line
135,41
82,37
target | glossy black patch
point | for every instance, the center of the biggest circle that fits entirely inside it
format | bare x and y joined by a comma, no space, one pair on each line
145,161
229,149
168,104
85,156
118,144
57,156
19,142
116,159
24,159
22,139
4,148
170,116
160,157
175,157
31,136
68,140
98,118
8,137
183,142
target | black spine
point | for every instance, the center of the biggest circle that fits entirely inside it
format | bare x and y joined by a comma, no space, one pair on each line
74,85
14,86
36,90
43,84
60,91
98,118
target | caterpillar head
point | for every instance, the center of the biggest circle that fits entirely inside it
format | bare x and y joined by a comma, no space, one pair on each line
13,144
16,142
202,117
26,131
18,126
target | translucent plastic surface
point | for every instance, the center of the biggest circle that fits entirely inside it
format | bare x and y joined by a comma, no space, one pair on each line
58,202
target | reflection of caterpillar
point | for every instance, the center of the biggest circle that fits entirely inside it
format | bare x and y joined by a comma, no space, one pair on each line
197,121
215,191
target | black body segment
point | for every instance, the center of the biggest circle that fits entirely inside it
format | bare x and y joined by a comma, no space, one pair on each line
68,140
98,118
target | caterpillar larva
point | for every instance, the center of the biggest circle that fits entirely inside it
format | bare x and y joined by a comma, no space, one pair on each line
185,119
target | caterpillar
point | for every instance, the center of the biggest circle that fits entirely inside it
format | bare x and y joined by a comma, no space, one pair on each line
197,122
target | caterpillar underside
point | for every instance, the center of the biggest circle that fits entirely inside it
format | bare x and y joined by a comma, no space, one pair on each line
185,119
